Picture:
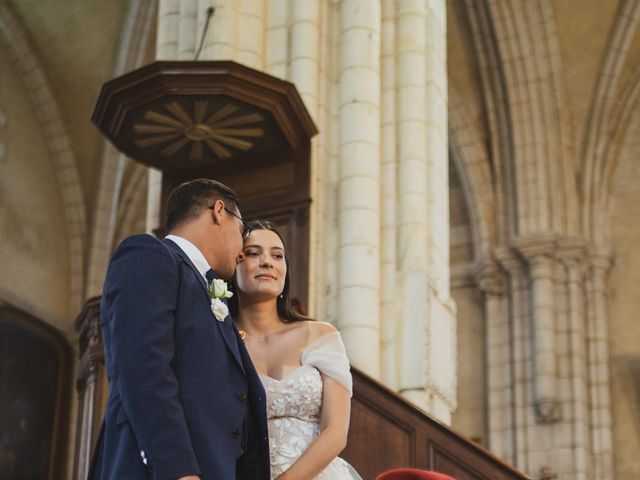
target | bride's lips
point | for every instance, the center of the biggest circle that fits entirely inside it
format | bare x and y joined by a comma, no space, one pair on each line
264,275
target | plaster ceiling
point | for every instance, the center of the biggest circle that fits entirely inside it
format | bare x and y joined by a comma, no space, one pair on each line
76,43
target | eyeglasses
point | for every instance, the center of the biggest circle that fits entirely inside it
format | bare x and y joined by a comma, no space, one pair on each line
245,227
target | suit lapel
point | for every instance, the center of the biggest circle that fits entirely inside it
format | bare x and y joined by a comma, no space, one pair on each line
226,329
185,258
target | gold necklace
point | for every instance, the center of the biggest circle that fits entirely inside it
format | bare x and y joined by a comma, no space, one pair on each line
260,338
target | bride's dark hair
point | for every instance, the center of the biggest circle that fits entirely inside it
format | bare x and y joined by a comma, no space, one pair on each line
286,310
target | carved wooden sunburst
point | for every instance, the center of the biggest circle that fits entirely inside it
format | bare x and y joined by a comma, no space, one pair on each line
219,130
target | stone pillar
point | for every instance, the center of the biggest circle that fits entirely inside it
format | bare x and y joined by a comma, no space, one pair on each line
427,314
538,252
251,33
492,285
154,200
517,416
276,38
359,183
413,201
600,393
223,36
574,380
304,73
559,413
389,307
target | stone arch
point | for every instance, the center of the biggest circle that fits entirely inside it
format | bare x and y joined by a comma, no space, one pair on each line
544,184
139,20
608,118
498,118
28,64
131,209
470,157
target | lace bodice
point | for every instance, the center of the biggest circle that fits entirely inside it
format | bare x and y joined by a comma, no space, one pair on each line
294,403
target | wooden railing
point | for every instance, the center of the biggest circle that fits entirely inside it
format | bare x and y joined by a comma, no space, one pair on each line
387,432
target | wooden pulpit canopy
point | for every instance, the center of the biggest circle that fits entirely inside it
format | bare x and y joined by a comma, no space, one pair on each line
178,116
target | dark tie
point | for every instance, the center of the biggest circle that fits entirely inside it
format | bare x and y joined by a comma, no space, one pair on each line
211,275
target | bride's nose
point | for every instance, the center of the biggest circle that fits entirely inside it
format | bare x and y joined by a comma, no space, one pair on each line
265,262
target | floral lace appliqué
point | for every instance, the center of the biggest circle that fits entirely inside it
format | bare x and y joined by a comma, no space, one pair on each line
293,409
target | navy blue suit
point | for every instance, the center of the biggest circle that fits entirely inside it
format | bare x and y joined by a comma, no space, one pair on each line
182,388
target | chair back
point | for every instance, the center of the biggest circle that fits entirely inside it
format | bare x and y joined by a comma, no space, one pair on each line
412,474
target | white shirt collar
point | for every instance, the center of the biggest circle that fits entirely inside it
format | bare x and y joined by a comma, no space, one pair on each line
194,254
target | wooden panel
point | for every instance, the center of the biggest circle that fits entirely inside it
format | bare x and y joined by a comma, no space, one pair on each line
265,181
388,432
367,422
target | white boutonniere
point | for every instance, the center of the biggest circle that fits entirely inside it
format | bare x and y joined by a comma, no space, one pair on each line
217,291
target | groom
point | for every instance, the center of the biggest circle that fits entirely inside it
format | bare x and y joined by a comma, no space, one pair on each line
185,401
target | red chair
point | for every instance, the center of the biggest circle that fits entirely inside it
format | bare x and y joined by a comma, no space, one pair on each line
412,474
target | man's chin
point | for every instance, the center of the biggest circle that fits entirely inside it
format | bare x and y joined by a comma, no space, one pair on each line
227,274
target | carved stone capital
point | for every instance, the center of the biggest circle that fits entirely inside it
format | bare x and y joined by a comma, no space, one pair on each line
601,260
546,473
508,260
571,251
489,278
547,411
534,247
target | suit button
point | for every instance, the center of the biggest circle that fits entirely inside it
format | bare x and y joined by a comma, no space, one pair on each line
241,396
236,434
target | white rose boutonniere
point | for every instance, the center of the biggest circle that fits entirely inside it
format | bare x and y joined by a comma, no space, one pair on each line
217,291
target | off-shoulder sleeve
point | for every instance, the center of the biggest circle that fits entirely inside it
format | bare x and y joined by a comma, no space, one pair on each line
329,356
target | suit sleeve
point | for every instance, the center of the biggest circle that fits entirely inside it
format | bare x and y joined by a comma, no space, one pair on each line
141,290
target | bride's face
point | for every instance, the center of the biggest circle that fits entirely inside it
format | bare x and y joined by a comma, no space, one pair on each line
262,267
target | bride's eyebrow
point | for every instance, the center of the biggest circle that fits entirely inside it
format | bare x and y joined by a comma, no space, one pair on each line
253,246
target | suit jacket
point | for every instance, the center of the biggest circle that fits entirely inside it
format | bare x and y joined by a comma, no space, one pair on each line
184,397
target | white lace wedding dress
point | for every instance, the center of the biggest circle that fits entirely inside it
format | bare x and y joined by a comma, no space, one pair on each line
294,402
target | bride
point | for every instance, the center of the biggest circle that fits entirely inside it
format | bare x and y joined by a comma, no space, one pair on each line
302,364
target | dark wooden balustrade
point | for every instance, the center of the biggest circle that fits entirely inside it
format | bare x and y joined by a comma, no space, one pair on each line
387,432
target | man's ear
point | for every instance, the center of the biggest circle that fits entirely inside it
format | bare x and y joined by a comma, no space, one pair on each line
217,211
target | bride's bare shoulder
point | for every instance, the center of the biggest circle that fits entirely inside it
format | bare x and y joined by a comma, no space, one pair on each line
318,329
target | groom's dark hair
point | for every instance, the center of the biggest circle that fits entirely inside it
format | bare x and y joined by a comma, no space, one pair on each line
188,200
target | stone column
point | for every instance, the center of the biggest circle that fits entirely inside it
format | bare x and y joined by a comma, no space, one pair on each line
305,74
492,285
359,183
600,393
573,386
154,199
538,252
251,33
427,314
389,307
516,416
559,413
222,40
276,38
413,202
